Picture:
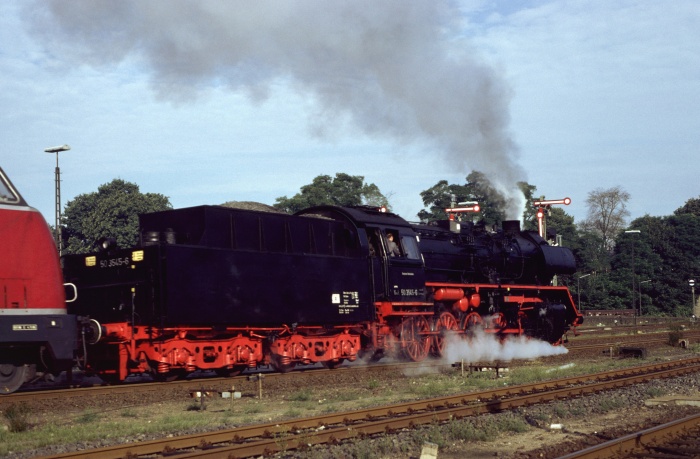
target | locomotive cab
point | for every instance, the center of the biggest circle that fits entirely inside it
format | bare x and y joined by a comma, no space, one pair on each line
395,261
396,264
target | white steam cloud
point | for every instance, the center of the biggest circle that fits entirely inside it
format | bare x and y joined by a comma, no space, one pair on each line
393,68
485,347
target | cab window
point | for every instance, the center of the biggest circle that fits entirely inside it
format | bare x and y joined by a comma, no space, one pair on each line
7,194
410,247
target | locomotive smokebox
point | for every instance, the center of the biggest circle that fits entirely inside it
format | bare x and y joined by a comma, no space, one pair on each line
511,226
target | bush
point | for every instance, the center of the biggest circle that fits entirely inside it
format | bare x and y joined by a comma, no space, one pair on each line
675,335
17,417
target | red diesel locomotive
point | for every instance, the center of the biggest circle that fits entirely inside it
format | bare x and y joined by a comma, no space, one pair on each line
36,333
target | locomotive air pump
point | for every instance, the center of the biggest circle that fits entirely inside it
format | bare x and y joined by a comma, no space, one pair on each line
544,205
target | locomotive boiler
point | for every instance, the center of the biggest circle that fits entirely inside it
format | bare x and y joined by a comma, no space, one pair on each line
215,288
503,276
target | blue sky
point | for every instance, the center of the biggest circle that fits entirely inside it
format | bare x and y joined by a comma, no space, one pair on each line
208,102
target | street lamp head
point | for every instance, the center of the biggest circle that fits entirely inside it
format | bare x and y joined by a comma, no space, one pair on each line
632,231
57,149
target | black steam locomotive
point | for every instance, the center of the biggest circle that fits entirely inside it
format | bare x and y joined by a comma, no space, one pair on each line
216,288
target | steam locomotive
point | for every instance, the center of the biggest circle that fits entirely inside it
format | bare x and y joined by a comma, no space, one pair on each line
222,289
215,288
36,333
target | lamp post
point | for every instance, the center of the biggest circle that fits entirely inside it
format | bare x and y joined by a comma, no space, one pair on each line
57,150
633,276
691,282
640,294
578,289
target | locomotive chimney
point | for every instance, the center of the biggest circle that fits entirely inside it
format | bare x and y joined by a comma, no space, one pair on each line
511,226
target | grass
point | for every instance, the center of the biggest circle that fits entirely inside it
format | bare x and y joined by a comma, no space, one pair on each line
87,417
128,413
611,404
303,395
29,431
17,417
434,387
89,426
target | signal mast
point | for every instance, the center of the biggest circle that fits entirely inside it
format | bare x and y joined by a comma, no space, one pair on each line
464,207
544,205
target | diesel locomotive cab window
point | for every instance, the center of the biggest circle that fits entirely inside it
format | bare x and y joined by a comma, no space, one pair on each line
7,195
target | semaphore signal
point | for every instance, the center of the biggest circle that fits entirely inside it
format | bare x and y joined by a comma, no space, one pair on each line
546,204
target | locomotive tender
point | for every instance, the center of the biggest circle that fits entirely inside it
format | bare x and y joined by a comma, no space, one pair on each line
36,333
216,288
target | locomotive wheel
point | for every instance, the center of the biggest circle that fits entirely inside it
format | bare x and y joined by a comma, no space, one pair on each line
498,320
12,377
471,322
415,342
280,366
443,324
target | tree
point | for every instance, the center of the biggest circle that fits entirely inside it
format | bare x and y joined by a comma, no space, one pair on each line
607,211
632,260
562,224
110,212
493,203
343,190
691,206
439,197
477,188
673,257
530,212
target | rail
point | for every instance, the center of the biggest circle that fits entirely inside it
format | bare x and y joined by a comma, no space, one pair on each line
264,439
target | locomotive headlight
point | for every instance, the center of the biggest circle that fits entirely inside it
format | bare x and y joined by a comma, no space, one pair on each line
106,244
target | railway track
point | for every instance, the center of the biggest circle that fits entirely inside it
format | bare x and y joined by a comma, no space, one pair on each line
219,383
658,338
210,383
676,439
269,438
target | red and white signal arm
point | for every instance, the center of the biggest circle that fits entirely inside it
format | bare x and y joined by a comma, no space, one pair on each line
473,208
540,210
549,202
